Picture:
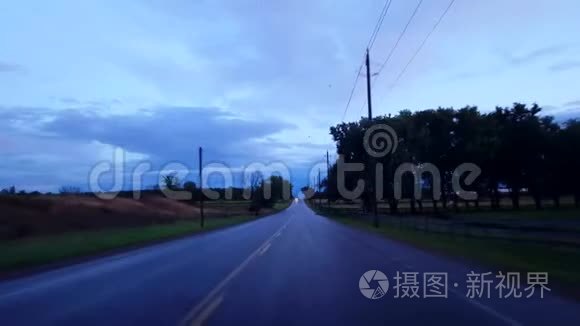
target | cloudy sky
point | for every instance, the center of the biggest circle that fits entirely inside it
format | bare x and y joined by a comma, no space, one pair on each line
253,81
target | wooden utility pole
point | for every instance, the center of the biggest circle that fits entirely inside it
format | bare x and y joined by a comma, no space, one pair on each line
318,189
369,102
202,219
327,180
371,161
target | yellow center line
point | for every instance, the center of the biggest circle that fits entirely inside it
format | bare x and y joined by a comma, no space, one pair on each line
204,315
264,249
195,311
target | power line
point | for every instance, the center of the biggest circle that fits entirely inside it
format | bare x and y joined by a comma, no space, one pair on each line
394,47
370,44
400,37
379,24
422,44
352,91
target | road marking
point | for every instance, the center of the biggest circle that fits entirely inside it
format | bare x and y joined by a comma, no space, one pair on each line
204,315
487,309
264,249
195,311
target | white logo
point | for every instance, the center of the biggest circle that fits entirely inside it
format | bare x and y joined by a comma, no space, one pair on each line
380,281
380,140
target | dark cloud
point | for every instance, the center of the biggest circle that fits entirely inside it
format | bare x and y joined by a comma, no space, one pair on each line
474,74
566,65
47,147
164,134
536,54
573,103
95,103
517,60
10,67
259,47
563,113
566,115
69,100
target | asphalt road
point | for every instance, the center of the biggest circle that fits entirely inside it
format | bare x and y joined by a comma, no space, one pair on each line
292,268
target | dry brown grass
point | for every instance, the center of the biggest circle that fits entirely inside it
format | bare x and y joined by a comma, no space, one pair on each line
24,216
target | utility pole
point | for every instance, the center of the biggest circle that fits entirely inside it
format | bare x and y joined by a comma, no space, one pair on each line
370,105
201,221
319,192
312,185
327,180
371,161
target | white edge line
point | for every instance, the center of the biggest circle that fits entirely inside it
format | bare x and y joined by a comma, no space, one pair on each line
487,309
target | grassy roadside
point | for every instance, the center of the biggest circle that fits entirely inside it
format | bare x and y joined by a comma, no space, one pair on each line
38,251
562,263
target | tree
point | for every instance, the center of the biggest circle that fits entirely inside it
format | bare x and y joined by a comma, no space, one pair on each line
521,149
349,144
9,191
280,189
256,192
330,184
191,187
514,146
171,182
570,156
308,192
69,190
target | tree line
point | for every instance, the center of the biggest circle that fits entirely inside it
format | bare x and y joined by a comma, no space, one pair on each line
517,149
261,192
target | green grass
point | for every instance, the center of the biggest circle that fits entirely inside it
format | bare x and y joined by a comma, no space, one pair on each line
282,205
42,250
244,204
225,203
49,249
527,213
562,263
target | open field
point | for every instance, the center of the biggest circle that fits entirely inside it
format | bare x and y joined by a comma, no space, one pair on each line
41,250
562,262
526,204
550,225
47,229
31,216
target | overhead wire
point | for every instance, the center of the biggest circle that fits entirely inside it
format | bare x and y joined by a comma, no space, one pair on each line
370,44
394,47
422,44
